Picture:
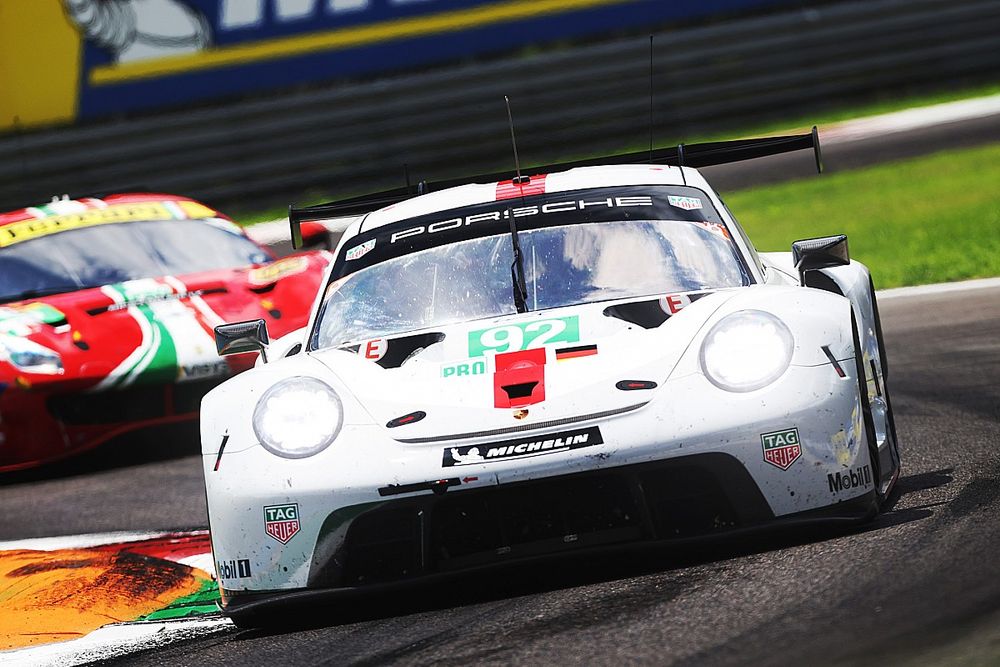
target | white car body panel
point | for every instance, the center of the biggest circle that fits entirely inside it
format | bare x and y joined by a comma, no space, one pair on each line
684,415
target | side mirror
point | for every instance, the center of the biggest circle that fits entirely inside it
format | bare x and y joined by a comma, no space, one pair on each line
241,337
820,253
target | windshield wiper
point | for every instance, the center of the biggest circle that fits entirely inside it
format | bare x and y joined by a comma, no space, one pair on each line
517,269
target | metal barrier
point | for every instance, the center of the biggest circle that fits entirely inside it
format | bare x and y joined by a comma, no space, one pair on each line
358,137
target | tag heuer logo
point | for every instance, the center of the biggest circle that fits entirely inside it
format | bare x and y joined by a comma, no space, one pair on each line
281,521
686,203
781,448
359,251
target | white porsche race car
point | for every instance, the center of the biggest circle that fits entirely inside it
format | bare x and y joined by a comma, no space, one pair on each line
590,356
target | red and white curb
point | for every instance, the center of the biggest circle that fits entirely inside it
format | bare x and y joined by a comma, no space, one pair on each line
117,639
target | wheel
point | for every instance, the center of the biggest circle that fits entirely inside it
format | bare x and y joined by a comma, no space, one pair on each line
884,359
869,420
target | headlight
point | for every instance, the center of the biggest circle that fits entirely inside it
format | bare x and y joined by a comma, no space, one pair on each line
298,417
27,355
747,350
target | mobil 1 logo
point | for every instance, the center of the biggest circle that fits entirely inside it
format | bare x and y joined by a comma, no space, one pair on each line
855,478
233,569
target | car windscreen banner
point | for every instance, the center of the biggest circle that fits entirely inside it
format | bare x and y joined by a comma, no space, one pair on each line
69,60
650,202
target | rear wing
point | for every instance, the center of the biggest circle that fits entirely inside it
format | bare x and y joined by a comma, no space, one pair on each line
693,155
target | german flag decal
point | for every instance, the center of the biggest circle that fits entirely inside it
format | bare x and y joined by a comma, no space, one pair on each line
574,352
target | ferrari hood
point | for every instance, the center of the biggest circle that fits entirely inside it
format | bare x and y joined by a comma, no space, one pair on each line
535,368
156,330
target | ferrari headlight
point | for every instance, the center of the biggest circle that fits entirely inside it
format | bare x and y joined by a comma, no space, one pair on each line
27,355
298,417
746,350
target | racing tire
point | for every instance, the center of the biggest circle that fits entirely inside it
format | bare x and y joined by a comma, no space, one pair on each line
869,421
884,359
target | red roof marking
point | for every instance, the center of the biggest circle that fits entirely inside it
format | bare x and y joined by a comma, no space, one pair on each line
507,189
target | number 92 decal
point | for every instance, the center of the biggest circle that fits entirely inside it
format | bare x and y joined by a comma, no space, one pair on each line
523,336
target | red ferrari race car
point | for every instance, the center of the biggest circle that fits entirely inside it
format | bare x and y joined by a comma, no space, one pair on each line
107,308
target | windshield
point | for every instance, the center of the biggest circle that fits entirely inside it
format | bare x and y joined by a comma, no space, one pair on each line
564,265
94,256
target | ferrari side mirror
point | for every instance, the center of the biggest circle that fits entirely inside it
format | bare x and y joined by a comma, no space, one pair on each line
241,337
819,253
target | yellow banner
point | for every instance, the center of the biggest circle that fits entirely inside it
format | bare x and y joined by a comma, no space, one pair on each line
40,60
26,230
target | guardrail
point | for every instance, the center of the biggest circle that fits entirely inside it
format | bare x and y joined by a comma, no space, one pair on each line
566,104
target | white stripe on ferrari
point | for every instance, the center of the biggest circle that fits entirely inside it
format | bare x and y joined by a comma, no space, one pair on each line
211,317
154,338
194,346
137,354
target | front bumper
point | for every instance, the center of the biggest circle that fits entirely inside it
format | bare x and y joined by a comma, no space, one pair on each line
674,468
421,540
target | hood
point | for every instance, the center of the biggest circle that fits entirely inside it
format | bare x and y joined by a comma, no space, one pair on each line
157,330
524,370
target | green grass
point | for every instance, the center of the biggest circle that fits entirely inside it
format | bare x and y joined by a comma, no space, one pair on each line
840,114
931,219
794,125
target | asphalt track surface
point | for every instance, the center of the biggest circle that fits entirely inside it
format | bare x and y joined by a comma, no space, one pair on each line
919,586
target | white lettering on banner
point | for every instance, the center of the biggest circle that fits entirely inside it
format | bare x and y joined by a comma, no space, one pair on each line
242,14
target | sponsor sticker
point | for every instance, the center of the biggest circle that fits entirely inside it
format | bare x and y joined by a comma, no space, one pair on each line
523,447
275,271
548,208
860,477
233,569
359,251
686,203
207,369
714,227
282,521
574,352
524,336
374,349
781,448
674,303
464,369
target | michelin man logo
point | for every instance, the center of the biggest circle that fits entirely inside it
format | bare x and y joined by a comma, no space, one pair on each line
140,29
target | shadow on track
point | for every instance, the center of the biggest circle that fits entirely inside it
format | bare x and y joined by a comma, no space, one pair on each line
567,571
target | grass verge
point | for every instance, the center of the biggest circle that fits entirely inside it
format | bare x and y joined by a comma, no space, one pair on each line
925,220
788,126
